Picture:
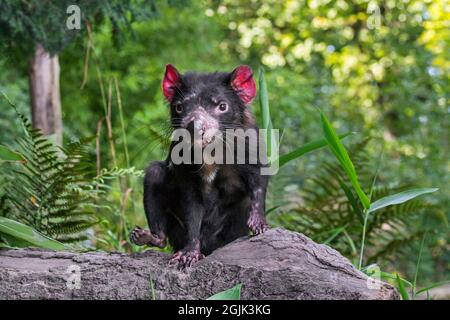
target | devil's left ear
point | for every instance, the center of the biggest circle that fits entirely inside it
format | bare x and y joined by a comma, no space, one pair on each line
242,82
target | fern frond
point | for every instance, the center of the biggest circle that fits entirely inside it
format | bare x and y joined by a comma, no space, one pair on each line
52,190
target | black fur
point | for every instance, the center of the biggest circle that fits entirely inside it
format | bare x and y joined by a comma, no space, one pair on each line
180,205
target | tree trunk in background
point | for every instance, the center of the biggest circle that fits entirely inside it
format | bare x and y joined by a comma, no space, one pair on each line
44,93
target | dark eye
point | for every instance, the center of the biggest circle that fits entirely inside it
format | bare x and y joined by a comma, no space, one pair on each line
223,107
178,107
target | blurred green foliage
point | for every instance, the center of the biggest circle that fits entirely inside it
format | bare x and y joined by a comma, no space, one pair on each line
378,68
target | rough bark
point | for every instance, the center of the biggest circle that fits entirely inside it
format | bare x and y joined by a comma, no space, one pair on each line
276,265
44,93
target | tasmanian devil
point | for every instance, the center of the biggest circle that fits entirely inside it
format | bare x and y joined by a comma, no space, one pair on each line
199,207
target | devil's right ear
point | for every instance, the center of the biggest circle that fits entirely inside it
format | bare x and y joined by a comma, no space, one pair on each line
172,80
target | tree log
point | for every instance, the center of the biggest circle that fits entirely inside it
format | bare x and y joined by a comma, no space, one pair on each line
279,264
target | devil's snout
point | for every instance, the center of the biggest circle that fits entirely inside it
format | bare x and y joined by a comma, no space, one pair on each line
199,121
201,125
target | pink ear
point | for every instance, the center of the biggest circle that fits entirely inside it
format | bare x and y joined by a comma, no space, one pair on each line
243,83
170,82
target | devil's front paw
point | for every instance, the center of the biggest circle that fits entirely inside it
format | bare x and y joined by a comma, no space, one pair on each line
257,223
142,237
186,258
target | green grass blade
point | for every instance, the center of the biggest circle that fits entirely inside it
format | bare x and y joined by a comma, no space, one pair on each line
152,288
401,288
389,276
341,154
400,197
351,198
271,143
336,232
377,172
25,233
435,285
419,259
229,294
306,148
350,242
272,209
122,123
264,101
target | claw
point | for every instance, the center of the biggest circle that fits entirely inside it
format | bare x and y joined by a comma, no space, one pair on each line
142,237
186,258
257,224
175,258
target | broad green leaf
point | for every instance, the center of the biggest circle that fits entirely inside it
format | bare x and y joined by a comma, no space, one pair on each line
7,154
25,233
5,246
306,148
341,154
401,288
229,294
12,242
399,198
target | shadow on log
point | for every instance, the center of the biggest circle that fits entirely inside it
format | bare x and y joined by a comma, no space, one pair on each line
279,264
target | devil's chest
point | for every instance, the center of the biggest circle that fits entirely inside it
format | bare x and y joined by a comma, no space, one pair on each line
222,186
